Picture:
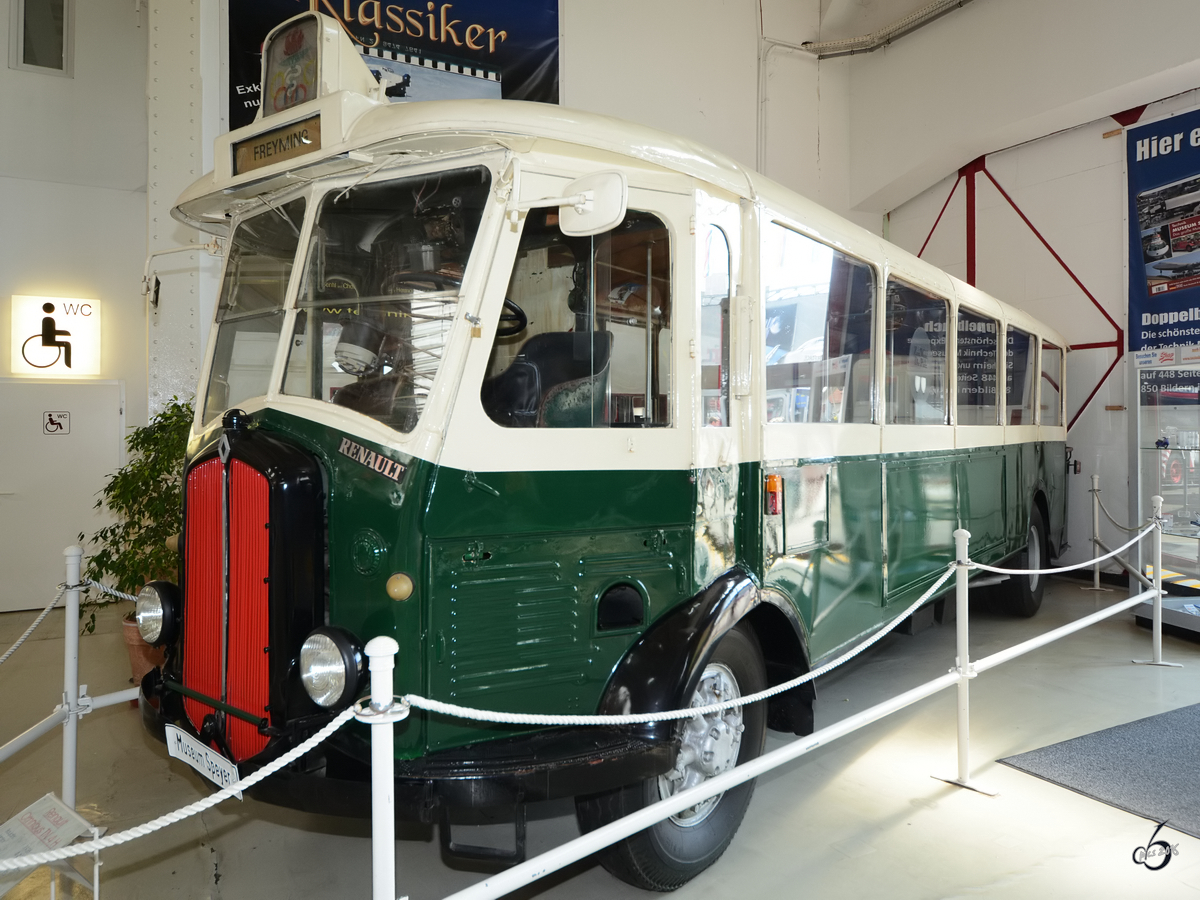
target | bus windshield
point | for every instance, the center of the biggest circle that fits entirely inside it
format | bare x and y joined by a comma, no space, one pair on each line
250,310
380,291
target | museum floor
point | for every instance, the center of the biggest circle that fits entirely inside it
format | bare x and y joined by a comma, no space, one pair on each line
860,817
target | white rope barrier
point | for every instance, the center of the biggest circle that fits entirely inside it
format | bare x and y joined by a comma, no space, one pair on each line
113,840
105,589
480,715
1116,524
1083,565
62,589
385,716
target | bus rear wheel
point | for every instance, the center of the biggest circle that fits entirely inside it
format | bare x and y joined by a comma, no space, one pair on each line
1023,595
670,853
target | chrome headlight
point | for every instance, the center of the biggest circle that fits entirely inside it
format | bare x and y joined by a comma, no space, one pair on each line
331,667
157,613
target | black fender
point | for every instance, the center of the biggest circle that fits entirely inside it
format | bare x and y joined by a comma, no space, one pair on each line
661,670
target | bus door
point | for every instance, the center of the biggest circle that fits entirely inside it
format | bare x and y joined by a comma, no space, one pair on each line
822,516
715,408
560,525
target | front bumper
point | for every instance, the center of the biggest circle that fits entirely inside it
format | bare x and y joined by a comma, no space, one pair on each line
498,774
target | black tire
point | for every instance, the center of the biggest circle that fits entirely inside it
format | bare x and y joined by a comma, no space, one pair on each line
669,854
1023,593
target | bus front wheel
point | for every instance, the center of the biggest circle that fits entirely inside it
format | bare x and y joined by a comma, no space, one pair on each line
1024,594
670,853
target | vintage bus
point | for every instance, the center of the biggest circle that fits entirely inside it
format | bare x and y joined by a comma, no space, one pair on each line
588,418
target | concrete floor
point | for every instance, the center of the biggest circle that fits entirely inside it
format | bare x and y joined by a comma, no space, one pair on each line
860,817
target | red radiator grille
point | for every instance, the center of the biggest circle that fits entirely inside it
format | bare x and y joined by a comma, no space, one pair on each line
248,567
202,587
247,681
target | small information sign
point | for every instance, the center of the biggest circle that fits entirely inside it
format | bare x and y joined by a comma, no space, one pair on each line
45,824
205,760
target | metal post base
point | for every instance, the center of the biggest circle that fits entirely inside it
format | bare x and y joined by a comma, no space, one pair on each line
1151,662
969,785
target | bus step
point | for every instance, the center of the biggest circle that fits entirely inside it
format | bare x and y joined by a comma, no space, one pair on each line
501,856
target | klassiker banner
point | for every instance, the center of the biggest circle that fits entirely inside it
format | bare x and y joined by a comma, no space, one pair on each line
423,51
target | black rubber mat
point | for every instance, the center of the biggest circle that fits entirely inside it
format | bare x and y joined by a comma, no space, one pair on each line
1150,767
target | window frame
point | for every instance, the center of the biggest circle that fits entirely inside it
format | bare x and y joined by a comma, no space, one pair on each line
16,41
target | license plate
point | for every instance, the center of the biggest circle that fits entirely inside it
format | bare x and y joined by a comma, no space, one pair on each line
205,760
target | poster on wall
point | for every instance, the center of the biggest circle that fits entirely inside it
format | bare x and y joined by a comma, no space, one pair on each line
1163,162
429,51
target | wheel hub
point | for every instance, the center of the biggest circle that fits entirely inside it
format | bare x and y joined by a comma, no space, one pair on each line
708,745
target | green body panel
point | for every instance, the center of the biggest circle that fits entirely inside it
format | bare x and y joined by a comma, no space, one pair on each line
825,551
516,563
509,566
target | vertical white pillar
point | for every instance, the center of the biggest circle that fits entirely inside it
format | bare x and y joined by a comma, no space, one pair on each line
961,539
1095,531
1156,503
74,557
381,652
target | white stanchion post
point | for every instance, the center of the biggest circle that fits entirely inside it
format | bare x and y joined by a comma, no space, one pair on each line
1156,503
1096,551
382,652
962,663
962,538
74,559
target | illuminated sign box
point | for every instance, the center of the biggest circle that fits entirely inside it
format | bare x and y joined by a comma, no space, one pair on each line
55,336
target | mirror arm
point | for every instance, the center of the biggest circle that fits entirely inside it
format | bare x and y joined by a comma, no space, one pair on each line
583,202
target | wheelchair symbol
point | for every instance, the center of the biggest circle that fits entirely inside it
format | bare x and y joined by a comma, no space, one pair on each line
39,356
57,423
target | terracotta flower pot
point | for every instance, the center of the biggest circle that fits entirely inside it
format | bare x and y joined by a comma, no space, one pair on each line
142,657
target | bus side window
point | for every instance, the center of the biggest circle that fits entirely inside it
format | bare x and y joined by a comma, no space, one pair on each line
715,293
817,339
1019,377
916,356
597,335
977,365
1051,385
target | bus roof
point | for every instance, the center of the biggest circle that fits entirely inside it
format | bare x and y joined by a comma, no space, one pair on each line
358,133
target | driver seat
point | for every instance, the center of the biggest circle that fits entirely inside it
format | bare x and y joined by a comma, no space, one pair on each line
558,380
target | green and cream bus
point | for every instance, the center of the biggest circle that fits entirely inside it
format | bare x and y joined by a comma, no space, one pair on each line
588,418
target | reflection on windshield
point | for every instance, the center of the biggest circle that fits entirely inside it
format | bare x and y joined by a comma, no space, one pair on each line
250,311
380,292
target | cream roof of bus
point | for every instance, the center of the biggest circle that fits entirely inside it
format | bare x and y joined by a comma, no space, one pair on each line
376,128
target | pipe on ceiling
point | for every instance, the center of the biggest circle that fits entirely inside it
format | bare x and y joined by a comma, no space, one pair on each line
883,36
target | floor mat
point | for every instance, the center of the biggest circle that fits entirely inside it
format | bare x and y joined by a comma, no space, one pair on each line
1150,767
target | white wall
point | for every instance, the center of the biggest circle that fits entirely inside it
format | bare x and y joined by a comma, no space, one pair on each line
72,185
998,72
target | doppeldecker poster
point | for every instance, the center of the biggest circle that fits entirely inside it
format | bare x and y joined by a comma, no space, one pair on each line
421,51
1164,233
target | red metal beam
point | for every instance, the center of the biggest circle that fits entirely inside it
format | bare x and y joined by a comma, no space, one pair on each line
938,220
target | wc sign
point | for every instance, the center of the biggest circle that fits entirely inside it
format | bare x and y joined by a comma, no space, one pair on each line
55,336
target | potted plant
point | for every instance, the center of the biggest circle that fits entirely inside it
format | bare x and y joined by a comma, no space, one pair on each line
145,497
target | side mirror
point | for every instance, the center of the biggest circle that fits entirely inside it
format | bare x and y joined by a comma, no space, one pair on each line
605,196
590,205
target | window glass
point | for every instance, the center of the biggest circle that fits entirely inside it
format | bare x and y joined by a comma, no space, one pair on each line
43,28
380,292
715,294
250,309
977,361
916,356
1019,378
817,333
1051,385
585,334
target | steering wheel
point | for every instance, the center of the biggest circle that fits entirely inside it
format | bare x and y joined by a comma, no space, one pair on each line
442,282
512,320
